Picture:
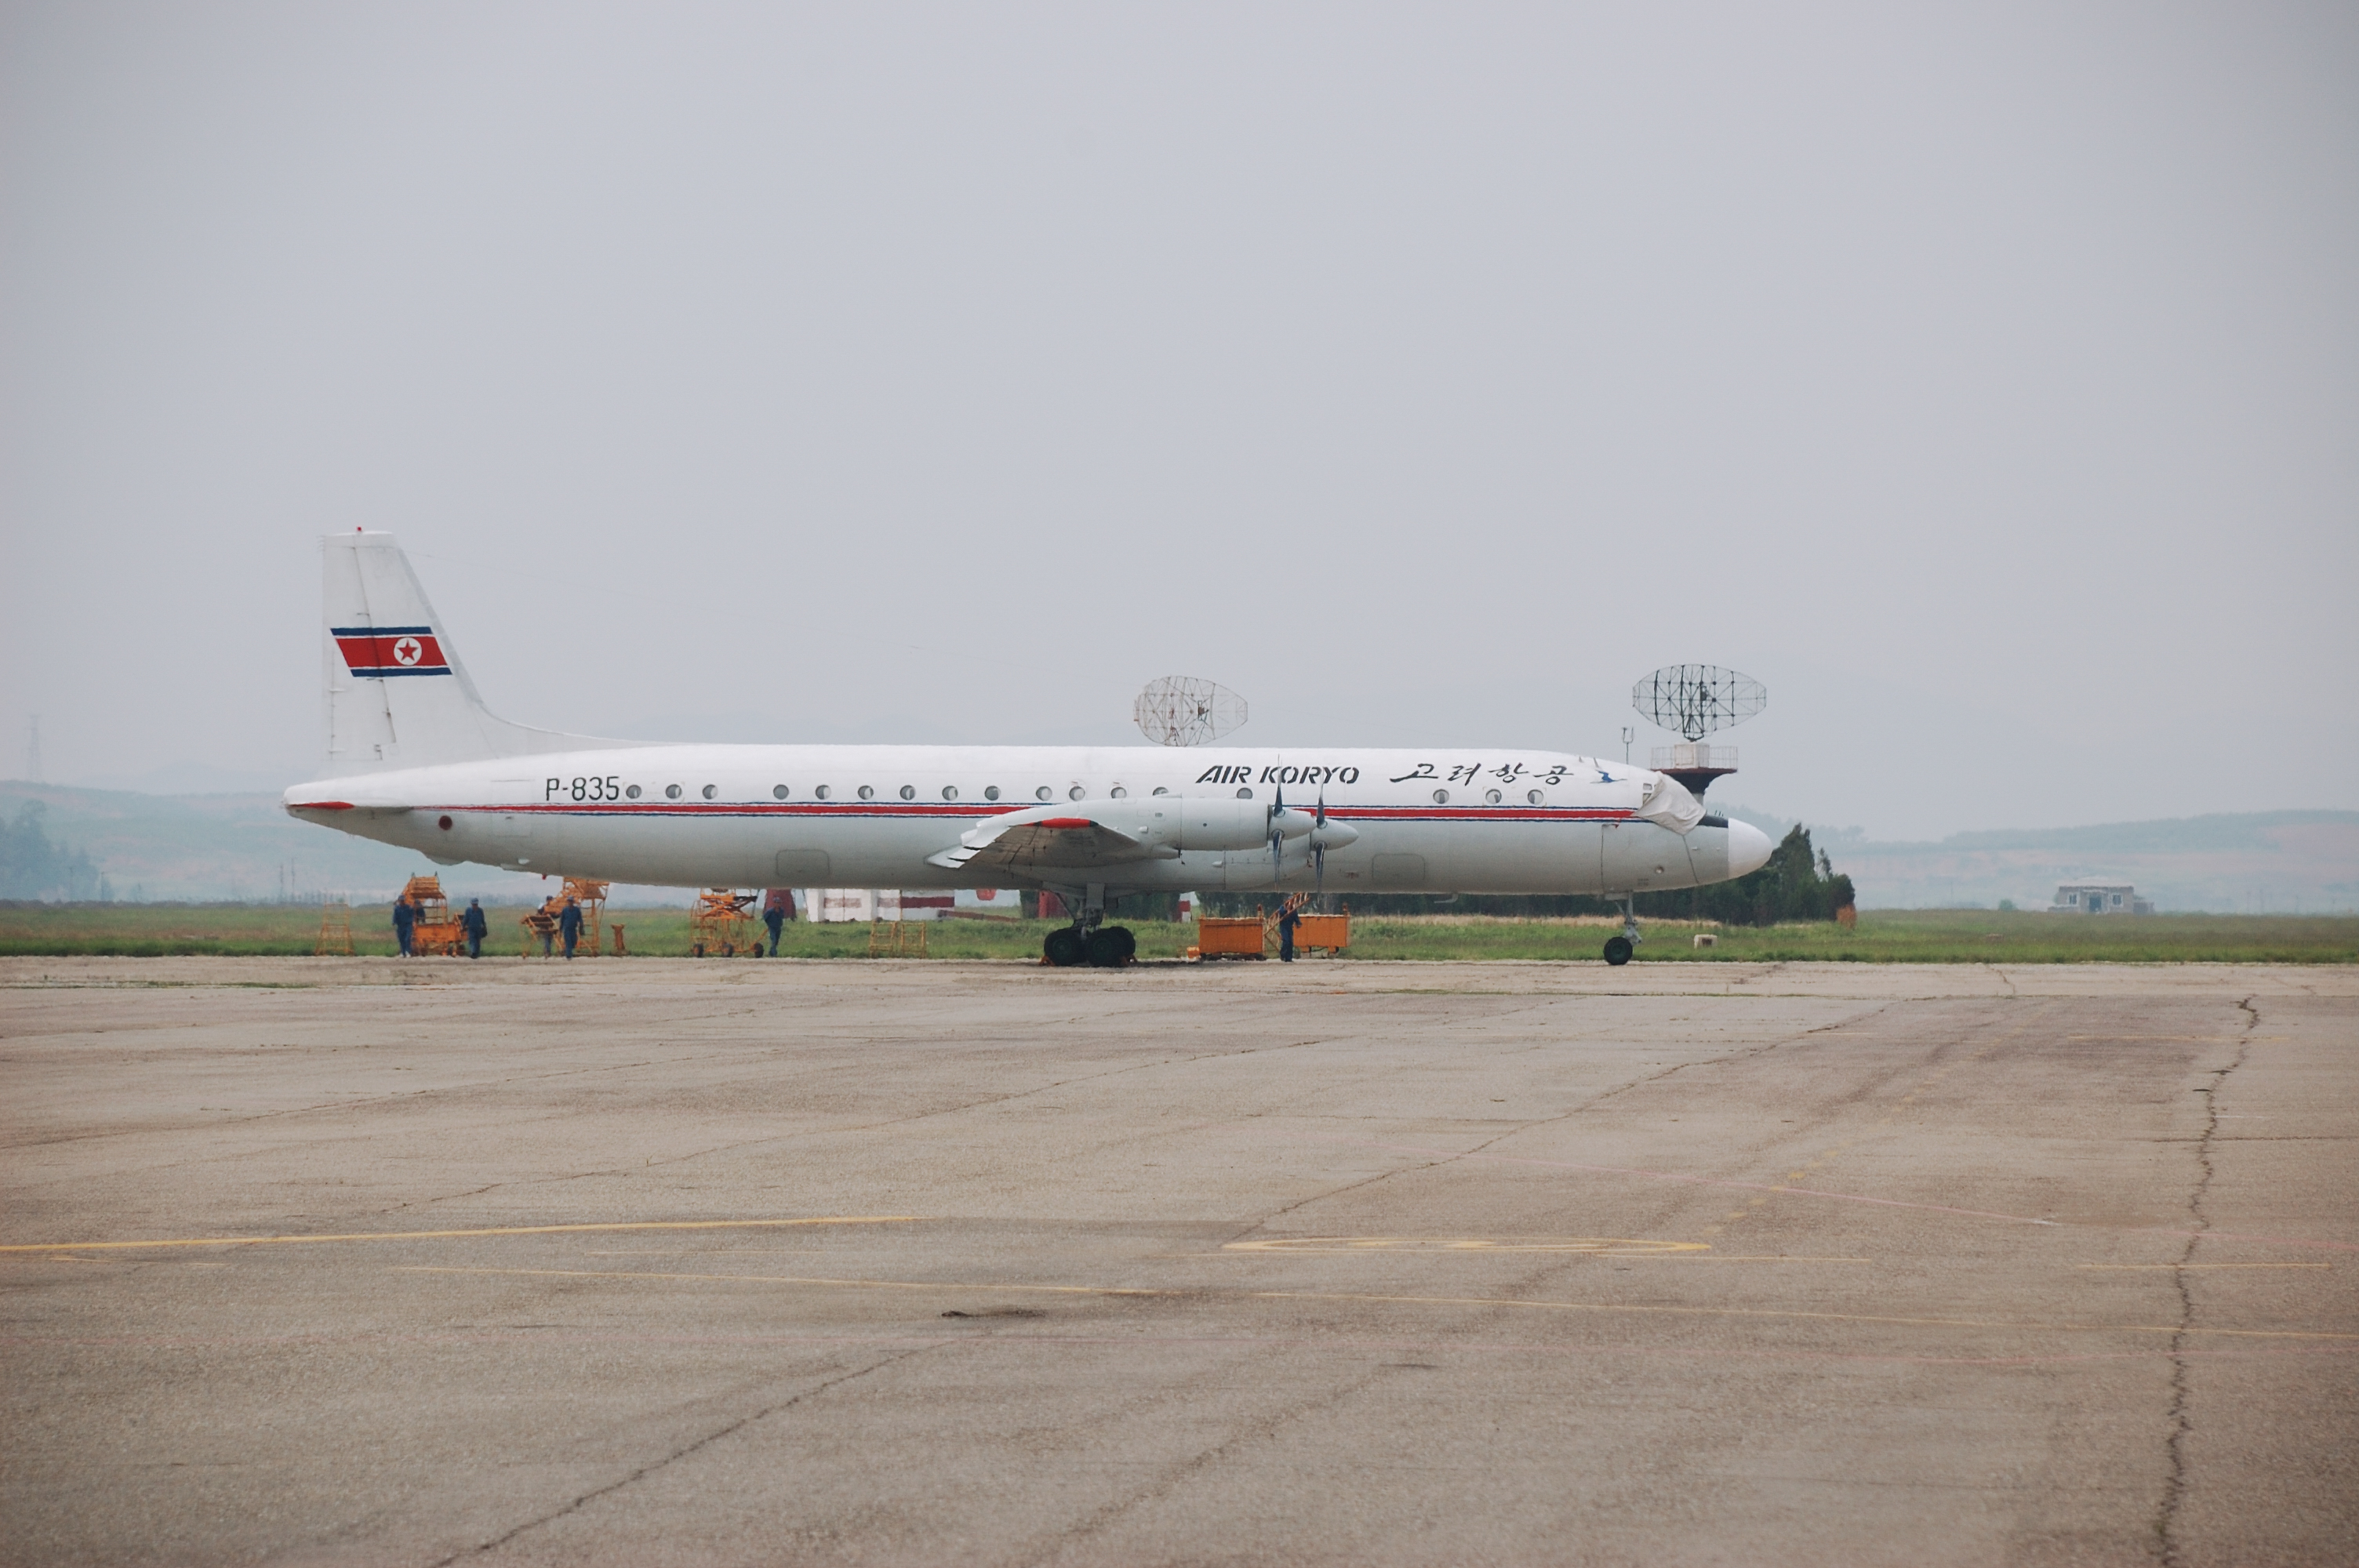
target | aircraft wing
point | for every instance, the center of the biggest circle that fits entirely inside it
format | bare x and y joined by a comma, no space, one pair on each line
1048,840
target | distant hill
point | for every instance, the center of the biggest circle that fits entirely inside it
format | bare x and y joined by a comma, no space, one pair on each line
242,846
2275,862
199,847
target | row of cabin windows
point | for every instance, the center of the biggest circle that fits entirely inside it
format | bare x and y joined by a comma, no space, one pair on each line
1493,798
907,792
991,792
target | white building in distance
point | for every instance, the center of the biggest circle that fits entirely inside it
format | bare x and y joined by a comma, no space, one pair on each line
2098,898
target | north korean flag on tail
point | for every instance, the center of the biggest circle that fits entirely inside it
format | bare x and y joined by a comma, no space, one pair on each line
380,651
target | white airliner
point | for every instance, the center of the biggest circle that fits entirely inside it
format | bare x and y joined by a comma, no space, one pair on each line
420,762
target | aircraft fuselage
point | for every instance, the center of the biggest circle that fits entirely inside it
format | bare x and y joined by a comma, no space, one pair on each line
1499,820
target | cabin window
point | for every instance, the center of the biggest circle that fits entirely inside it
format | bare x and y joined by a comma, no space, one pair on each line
1160,790
821,792
991,792
1493,796
908,792
633,791
868,792
671,792
1040,793
1442,797
1119,792
779,791
1245,794
711,790
1074,792
1537,799
950,792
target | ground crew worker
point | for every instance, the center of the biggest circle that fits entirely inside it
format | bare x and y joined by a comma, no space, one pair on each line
1288,918
405,920
476,927
569,925
778,908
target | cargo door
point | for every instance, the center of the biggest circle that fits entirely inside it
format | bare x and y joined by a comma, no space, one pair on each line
1640,857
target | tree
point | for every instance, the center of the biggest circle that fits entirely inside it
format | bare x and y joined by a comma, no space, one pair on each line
1799,883
32,867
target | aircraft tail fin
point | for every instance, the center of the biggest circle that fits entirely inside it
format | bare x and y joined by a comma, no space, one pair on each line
398,694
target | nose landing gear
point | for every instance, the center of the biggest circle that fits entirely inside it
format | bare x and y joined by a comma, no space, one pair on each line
1618,949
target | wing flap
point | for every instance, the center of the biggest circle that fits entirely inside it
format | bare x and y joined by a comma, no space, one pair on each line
1070,838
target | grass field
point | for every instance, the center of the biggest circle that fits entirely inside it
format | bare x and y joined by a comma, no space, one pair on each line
1934,936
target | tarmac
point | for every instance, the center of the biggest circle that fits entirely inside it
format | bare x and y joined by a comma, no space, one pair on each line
650,1260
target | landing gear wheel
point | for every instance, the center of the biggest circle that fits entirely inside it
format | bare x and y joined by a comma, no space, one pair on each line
1617,950
1064,948
1110,946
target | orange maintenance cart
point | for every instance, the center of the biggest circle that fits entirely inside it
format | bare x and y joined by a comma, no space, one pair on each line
436,930
1219,938
719,926
1328,933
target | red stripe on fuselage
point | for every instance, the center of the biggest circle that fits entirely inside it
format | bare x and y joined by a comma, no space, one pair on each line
962,809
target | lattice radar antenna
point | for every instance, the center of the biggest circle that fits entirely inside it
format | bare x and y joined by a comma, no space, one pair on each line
1181,710
1697,699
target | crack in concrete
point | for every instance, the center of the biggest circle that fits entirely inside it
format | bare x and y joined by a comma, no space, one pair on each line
677,1454
2181,1417
1741,1053
1182,1471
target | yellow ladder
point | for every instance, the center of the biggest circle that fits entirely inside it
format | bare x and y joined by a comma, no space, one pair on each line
335,930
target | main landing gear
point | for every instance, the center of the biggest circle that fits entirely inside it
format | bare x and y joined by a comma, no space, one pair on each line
1619,948
1107,947
1089,940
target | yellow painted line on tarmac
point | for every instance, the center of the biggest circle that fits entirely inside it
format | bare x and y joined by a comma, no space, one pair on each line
805,1280
985,1288
1594,1245
2176,1266
450,1235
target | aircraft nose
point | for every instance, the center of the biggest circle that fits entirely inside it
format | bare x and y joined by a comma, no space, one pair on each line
1748,848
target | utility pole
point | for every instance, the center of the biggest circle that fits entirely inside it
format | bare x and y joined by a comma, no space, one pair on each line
1628,735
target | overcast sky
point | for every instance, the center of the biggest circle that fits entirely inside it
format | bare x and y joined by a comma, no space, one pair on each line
1982,378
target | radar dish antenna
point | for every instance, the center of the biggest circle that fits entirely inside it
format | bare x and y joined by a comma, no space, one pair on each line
1181,710
1697,700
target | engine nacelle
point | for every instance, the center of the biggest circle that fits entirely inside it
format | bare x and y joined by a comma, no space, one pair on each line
1174,823
1180,822
1211,822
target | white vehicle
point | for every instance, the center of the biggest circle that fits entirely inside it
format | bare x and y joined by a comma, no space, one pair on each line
420,762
